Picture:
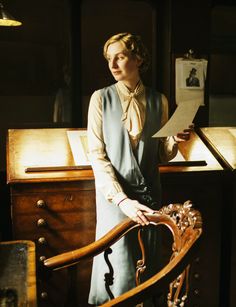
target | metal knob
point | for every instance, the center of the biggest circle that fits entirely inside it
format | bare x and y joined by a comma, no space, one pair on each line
41,203
42,258
196,292
42,241
196,275
44,295
41,223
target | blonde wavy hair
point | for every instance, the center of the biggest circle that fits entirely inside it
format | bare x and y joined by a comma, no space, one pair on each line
133,44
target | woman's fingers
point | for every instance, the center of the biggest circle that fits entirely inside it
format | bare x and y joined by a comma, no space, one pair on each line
184,136
145,209
136,211
142,218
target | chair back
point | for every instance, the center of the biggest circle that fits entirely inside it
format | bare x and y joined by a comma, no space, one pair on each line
185,224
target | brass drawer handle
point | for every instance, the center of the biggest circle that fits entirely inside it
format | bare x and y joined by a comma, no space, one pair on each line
41,203
42,258
196,292
44,295
42,241
41,223
196,275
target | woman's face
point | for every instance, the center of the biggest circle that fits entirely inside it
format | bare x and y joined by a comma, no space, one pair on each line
123,66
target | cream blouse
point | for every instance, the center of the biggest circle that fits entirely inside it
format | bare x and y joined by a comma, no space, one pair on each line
105,178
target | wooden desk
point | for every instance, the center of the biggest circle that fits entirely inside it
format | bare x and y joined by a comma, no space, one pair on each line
222,142
57,209
54,209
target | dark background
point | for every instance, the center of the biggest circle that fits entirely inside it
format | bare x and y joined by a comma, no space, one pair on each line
59,33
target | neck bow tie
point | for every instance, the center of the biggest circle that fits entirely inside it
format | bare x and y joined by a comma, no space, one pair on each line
134,113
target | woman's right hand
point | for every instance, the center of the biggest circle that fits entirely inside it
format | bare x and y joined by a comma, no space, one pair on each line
136,211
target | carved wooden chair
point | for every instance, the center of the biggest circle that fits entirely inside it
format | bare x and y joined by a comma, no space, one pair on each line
185,225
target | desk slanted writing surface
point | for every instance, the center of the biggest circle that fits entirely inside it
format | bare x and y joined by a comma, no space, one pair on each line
41,147
222,142
56,209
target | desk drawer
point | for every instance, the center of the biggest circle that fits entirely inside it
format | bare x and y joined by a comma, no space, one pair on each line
33,203
53,222
58,241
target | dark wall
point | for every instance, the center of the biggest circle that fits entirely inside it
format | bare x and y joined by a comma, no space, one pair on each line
191,30
32,60
59,32
32,57
99,21
222,92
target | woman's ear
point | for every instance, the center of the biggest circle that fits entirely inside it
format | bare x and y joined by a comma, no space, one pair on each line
139,61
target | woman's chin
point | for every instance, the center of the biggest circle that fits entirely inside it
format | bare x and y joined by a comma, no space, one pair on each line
117,77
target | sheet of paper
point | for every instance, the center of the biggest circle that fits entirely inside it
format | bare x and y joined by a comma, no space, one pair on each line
185,91
79,146
180,120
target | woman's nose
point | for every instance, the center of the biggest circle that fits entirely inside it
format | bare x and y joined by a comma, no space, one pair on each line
113,63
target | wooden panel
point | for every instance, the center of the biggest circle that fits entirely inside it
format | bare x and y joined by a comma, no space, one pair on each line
53,289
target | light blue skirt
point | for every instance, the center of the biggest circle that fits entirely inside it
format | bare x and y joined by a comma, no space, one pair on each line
122,260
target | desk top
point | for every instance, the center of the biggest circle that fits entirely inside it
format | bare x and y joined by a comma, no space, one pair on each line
222,140
43,147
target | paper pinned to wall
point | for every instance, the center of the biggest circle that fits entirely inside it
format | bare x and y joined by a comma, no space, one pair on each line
190,80
180,120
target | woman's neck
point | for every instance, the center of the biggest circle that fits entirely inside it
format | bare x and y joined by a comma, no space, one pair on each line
131,85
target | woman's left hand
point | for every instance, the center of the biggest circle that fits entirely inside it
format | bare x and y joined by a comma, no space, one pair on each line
136,211
185,135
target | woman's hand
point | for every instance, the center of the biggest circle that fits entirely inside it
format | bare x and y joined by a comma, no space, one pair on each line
136,211
185,135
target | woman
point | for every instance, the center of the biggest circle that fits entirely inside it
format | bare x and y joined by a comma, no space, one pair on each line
121,121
